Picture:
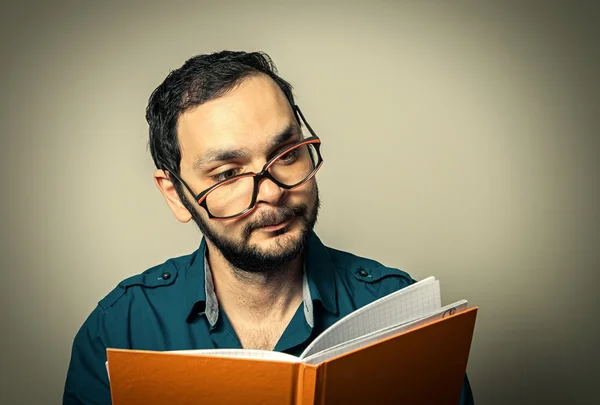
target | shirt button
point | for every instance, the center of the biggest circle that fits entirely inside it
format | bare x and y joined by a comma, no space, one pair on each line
363,272
166,276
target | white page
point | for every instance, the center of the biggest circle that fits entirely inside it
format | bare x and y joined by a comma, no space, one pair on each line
366,340
236,353
240,353
404,305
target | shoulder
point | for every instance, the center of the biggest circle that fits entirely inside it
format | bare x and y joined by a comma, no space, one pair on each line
366,276
110,324
157,277
126,308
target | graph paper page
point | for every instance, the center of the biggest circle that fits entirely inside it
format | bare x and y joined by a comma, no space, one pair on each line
402,306
388,332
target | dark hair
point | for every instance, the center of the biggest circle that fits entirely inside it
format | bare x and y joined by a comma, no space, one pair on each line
200,79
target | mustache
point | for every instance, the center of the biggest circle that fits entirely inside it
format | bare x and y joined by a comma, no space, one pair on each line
270,218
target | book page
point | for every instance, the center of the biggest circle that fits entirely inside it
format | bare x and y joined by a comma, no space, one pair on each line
240,353
237,353
399,307
385,333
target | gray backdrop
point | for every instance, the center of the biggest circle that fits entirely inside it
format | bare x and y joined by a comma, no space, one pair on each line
460,140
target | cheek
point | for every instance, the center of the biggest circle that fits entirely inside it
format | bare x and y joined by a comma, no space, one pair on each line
306,194
232,228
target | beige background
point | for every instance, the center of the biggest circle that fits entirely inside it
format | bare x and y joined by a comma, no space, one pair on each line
460,140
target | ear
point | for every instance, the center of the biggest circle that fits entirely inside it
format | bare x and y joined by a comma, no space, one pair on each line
166,187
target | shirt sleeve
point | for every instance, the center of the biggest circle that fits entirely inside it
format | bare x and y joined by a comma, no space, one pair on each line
466,395
87,379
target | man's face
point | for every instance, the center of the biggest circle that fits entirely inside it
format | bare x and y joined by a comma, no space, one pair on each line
238,133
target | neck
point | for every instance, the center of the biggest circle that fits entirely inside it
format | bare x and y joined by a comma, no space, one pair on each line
256,297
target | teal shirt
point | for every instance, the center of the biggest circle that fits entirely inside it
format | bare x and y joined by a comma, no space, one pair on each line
173,306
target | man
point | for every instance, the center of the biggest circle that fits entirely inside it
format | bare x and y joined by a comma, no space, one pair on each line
235,155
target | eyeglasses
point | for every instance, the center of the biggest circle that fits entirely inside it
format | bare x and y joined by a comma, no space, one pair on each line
236,196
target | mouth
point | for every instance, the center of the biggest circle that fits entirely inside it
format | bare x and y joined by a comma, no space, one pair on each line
276,227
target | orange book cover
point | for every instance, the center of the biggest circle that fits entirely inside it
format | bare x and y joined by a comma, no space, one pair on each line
425,365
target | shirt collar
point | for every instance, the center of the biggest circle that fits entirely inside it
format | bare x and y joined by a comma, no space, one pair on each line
194,284
320,272
318,283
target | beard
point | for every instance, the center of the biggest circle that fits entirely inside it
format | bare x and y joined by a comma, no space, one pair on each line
248,258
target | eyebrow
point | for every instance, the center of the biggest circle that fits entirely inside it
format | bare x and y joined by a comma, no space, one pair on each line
284,136
226,154
221,155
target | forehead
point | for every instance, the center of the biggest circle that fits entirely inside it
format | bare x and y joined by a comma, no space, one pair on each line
246,117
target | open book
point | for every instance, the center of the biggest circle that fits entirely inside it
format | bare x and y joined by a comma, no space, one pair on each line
403,348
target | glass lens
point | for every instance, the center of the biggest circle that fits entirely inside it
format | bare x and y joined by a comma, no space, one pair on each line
231,198
295,165
290,168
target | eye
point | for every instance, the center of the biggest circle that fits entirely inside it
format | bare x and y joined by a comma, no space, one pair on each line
226,175
289,157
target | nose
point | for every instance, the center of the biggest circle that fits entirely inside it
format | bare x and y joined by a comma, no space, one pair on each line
269,192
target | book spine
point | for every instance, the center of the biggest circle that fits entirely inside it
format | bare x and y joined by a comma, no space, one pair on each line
306,384
320,384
